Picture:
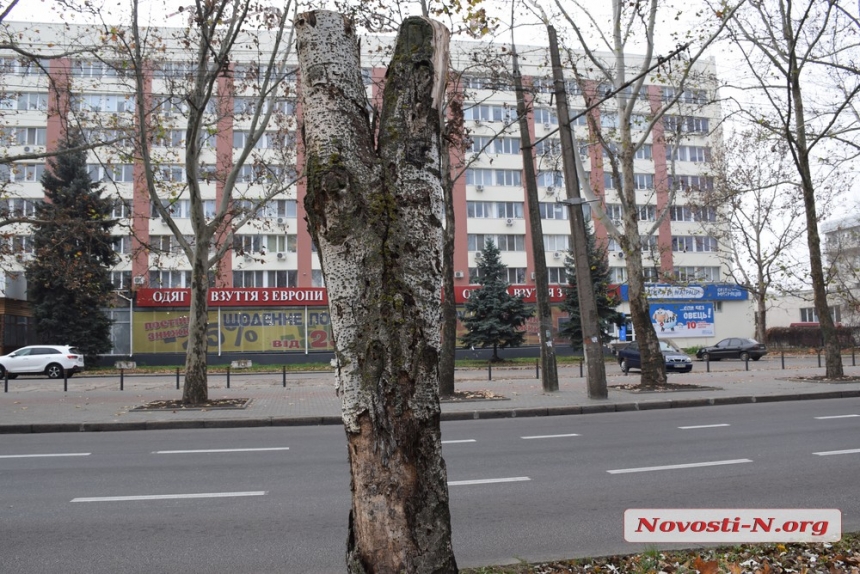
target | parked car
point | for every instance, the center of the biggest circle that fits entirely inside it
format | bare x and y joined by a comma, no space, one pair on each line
49,360
676,360
734,348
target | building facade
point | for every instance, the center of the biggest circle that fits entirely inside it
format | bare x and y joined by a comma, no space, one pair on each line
273,253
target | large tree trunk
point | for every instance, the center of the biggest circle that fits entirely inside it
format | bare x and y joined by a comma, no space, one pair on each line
447,359
375,211
196,388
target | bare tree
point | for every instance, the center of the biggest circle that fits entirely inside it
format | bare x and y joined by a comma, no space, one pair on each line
756,183
375,209
791,49
607,76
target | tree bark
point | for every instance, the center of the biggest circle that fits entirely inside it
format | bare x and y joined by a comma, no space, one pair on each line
448,356
375,211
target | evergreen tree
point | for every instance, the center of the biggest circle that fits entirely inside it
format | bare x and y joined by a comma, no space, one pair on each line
68,280
493,316
606,301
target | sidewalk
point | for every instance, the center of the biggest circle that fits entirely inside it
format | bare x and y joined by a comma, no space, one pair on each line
37,405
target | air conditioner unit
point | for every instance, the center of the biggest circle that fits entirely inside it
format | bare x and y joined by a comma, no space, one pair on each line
282,221
617,222
620,255
479,188
547,126
458,274
139,280
26,149
282,255
556,255
163,221
509,222
533,274
248,258
550,191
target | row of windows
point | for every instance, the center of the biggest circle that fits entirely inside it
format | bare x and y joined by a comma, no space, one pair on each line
694,243
688,153
494,209
676,212
23,66
181,208
24,136
32,101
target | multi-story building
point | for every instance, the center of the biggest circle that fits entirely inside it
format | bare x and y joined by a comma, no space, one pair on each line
273,274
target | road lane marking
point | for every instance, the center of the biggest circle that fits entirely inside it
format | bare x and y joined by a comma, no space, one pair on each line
547,436
830,452
458,441
837,417
219,450
487,481
45,455
705,426
169,496
677,466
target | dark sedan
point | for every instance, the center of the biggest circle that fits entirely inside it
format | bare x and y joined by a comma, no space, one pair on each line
734,348
676,361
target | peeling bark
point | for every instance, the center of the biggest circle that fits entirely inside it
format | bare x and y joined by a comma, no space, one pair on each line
375,211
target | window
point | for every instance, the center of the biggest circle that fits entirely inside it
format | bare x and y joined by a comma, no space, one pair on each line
556,242
648,242
267,141
170,138
477,242
647,212
29,136
516,275
479,177
556,275
506,145
701,274
810,315
21,207
609,120
551,147
27,101
608,181
644,152
687,96
165,244
317,278
121,209
280,243
122,244
479,209
279,208
173,106
614,211
553,211
22,244
28,172
478,143
550,179
692,182
547,86
651,274
123,173
247,244
121,280
545,116
174,173
688,153
178,208
618,275
643,181
165,279
265,278
97,69
686,124
180,69
513,209
112,103
509,177
692,213
488,113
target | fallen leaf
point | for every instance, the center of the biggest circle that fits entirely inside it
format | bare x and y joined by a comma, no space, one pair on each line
709,567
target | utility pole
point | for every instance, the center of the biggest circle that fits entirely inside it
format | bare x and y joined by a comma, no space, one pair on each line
549,368
592,345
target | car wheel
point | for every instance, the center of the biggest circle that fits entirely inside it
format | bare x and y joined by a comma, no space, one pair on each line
624,368
54,371
706,357
745,356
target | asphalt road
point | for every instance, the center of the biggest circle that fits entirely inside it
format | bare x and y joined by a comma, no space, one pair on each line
276,499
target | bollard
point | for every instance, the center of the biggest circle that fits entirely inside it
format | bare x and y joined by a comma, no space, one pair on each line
177,378
65,381
228,376
782,357
284,373
708,365
121,377
5,381
747,364
580,368
537,369
853,364
489,371
819,358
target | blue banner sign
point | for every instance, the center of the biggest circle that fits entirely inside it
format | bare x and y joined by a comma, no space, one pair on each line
709,292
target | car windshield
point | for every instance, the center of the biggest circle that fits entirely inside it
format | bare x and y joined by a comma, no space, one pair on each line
749,342
667,347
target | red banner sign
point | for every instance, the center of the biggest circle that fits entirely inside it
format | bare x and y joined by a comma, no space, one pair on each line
236,297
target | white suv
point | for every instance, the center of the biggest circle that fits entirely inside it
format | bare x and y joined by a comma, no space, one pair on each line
50,360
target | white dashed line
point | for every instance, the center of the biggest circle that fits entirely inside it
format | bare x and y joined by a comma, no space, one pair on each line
219,450
458,441
705,426
832,452
547,436
169,496
45,455
837,417
677,466
487,481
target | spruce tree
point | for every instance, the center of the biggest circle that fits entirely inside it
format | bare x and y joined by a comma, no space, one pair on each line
606,301
68,280
493,316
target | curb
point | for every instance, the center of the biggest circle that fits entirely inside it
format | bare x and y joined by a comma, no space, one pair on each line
524,412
